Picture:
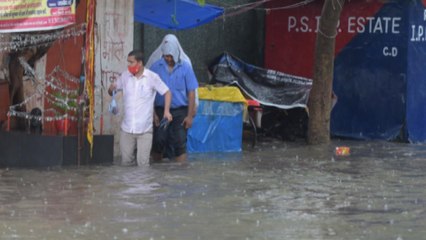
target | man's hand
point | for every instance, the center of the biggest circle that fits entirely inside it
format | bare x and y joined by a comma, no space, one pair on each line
112,88
187,122
168,116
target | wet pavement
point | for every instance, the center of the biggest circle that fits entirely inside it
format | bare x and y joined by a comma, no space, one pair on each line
275,191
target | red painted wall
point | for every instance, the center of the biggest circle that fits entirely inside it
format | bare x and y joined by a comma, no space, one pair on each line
291,33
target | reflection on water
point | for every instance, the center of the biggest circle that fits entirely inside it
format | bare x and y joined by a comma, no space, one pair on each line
279,191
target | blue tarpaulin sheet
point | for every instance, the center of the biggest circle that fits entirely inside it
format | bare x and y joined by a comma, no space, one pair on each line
174,14
217,127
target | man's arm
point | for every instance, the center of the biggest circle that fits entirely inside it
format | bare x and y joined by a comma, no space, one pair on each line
167,102
191,103
162,89
187,122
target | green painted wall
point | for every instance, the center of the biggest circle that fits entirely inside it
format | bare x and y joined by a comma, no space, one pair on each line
241,35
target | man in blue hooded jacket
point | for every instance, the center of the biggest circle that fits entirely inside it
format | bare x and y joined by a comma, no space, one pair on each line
178,75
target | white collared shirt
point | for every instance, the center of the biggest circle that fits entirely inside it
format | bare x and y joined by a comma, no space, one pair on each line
138,99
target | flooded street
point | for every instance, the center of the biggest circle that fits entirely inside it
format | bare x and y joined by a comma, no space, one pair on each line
276,191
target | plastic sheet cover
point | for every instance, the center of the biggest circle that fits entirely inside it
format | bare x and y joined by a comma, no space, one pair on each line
176,14
269,87
217,127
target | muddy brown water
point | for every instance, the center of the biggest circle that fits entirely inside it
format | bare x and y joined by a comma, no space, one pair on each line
275,191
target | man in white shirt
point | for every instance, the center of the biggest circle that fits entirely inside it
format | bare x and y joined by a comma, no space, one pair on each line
139,86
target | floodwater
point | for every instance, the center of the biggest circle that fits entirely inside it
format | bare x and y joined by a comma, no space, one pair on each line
276,191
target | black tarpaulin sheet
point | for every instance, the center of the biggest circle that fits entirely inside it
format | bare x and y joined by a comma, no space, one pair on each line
269,87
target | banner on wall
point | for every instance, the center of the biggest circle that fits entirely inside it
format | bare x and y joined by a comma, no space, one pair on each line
35,15
378,68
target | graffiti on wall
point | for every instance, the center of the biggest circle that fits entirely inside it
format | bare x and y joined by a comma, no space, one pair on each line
114,40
